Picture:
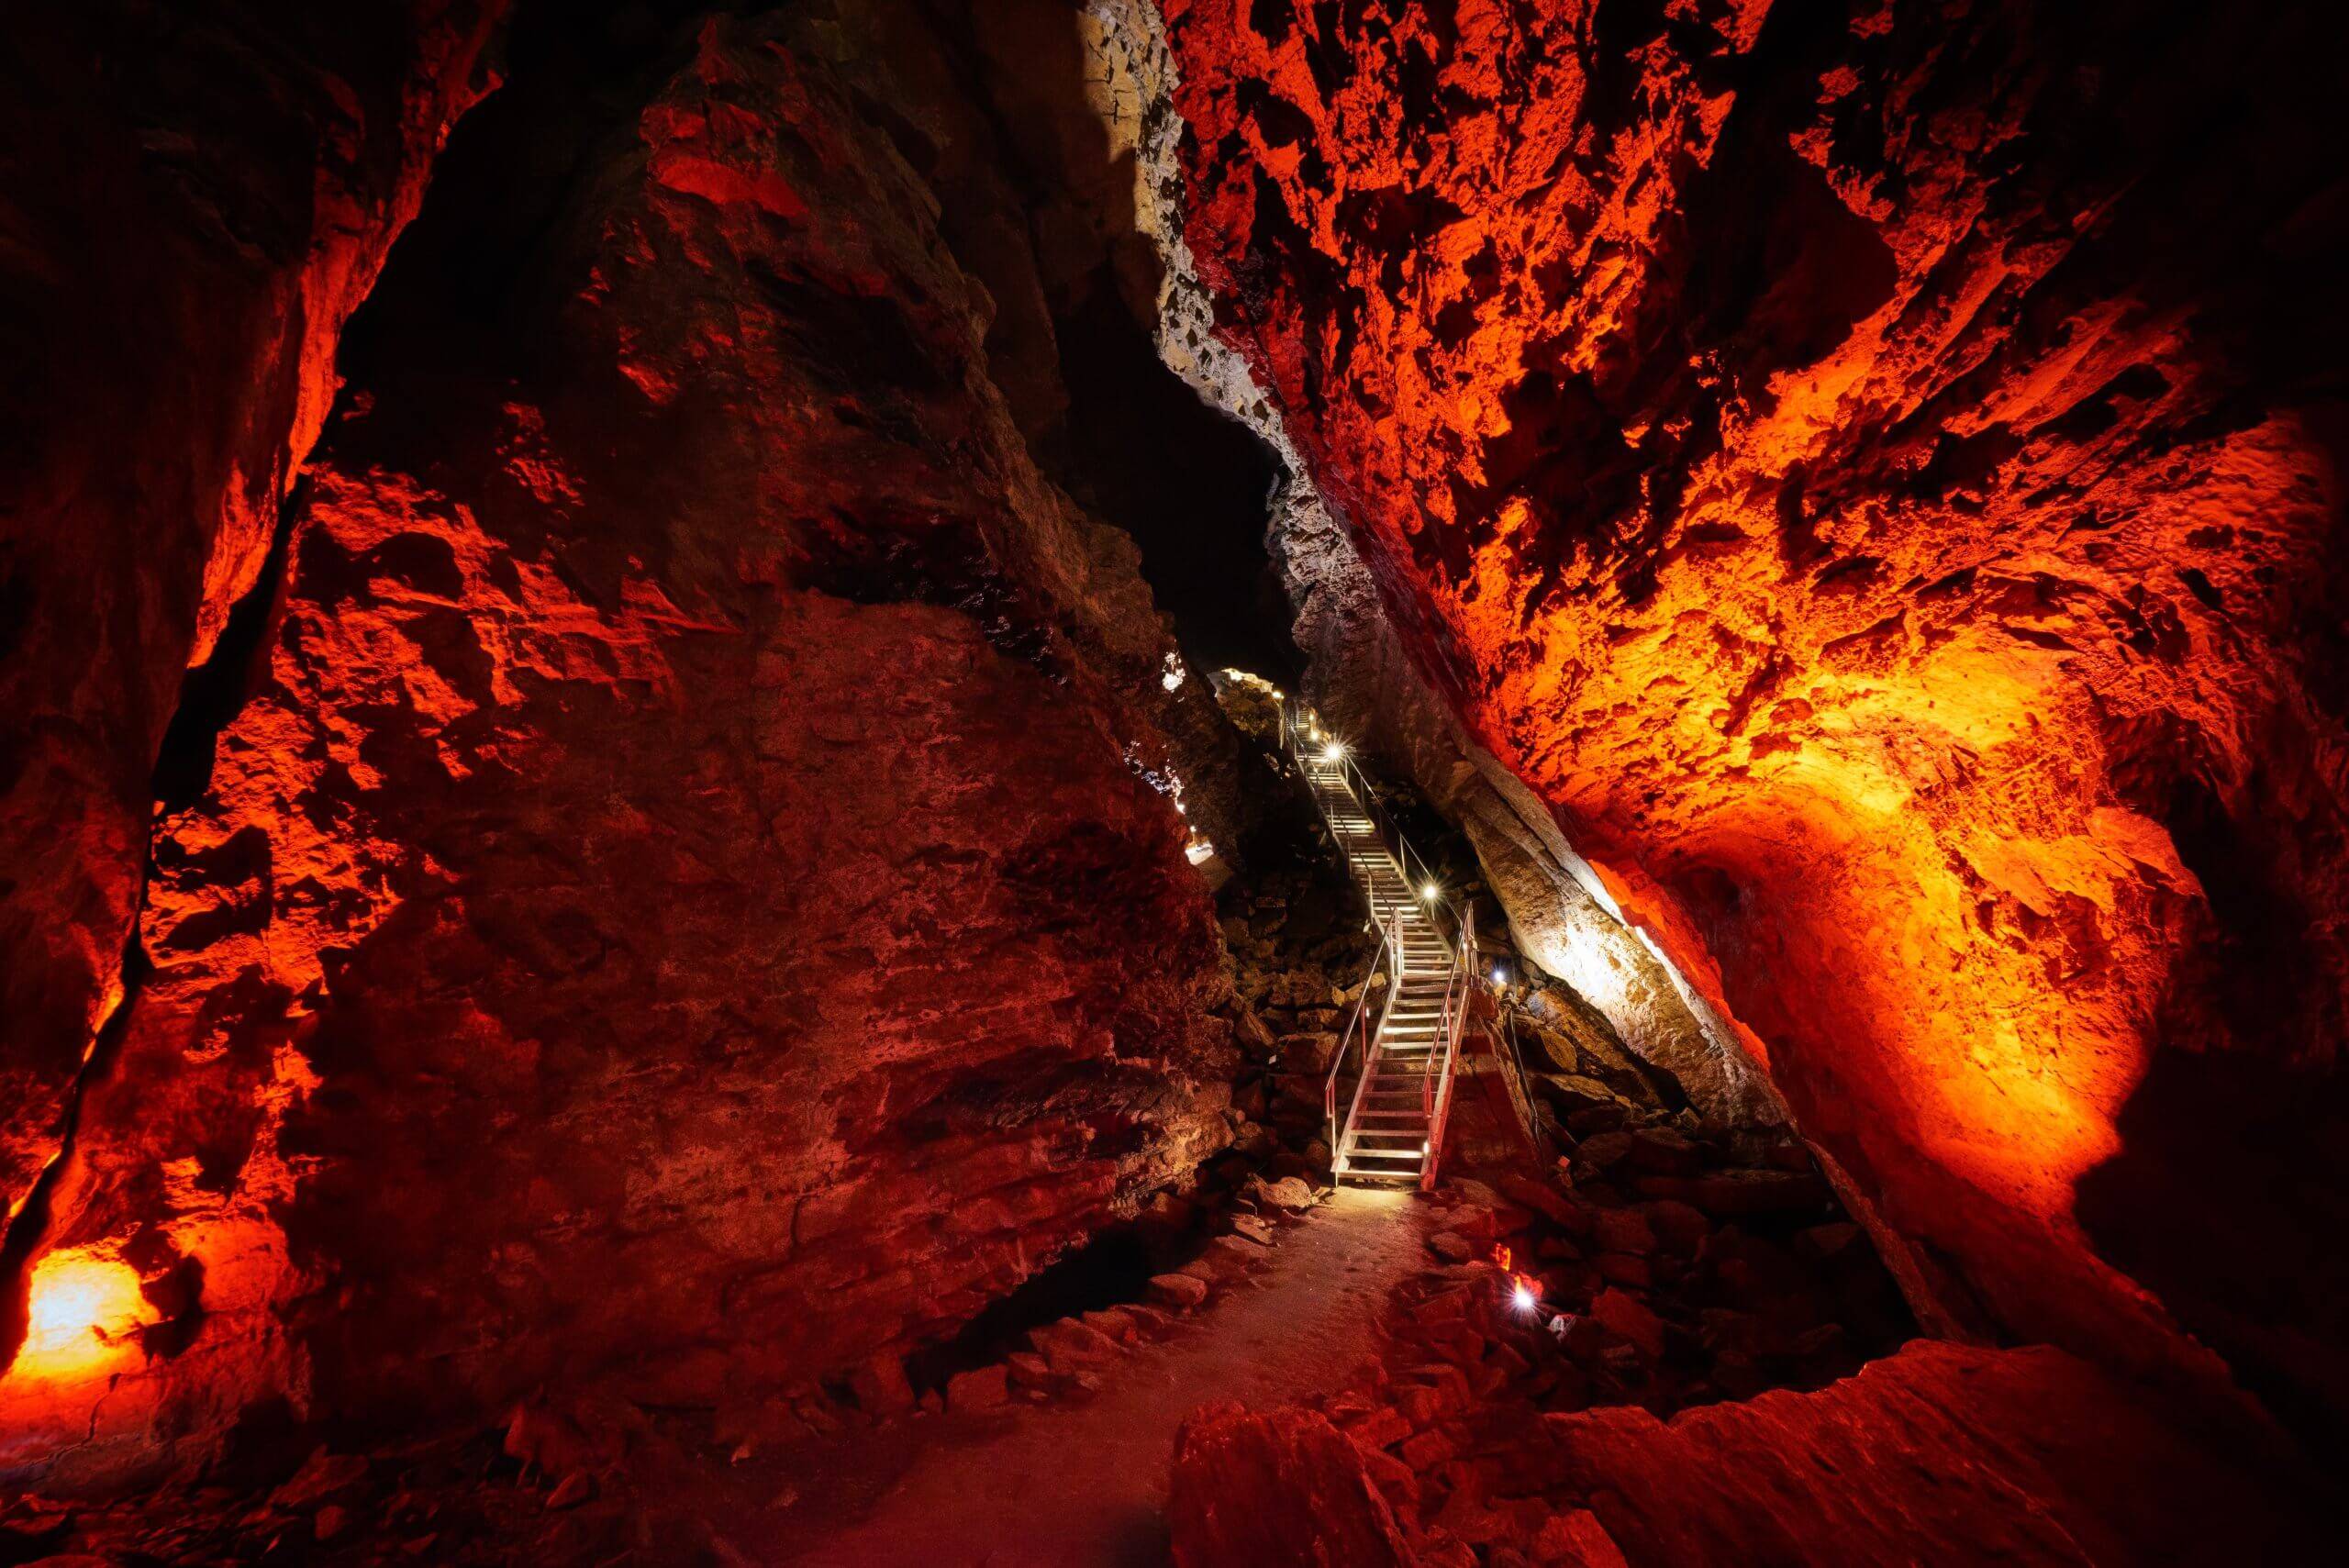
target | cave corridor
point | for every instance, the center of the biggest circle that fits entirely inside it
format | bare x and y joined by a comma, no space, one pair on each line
1417,784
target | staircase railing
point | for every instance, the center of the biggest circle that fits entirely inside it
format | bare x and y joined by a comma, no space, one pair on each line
1308,742
1309,746
1389,957
1435,1088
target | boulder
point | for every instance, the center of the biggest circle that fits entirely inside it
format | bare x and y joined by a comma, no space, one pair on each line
1623,1230
988,1388
1548,1201
1281,1488
1680,1227
1180,1292
1452,1246
1290,1192
1601,1150
1632,1319
1070,1347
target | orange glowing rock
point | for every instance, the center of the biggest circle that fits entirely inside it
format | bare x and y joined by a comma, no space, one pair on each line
81,1310
1880,527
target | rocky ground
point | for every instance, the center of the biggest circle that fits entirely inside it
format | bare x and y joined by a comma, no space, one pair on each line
1663,1265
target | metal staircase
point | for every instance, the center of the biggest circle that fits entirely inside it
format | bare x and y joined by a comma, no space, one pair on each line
1417,983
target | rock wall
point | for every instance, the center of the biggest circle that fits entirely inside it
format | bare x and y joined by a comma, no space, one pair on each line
1357,673
2034,1456
1873,470
193,200
691,901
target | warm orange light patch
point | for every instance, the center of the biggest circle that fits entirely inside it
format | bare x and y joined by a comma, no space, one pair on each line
81,1309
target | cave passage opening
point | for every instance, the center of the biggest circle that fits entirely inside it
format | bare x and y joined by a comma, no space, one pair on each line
1193,487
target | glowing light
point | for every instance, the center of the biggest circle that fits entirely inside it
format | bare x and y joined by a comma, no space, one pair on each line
1500,975
1334,751
1431,892
1525,1291
81,1308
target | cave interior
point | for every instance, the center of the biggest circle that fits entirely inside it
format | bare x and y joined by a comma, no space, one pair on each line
1425,783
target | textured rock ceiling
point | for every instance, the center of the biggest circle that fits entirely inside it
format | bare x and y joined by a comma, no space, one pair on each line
1874,470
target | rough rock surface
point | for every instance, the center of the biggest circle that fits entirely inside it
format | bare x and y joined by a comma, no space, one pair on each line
1284,1487
1940,1455
193,199
1358,674
685,901
1867,468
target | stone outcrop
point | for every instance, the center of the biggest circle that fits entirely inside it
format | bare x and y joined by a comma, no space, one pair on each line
1284,1487
692,900
1865,469
2034,1457
195,199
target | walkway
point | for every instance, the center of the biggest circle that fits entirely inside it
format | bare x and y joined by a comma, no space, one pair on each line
1085,1485
1390,1114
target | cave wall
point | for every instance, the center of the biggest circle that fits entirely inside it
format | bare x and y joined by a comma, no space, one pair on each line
691,900
1354,669
193,200
1873,470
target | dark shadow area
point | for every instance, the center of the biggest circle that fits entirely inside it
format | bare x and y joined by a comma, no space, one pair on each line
1135,445
1190,486
2229,1201
576,73
1112,1269
212,692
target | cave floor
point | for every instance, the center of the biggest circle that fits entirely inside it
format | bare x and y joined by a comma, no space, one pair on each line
1084,1484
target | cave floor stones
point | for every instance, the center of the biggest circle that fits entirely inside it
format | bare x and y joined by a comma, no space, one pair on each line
1084,1483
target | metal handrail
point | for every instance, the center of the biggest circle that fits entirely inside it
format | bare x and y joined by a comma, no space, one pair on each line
1454,926
1390,945
1416,872
1435,1086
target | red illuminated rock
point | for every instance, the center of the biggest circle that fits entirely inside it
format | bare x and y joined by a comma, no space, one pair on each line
1940,1454
690,904
1283,1487
196,200
1861,469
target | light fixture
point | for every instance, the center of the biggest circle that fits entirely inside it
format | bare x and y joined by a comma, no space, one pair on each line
1500,975
1526,1300
1431,892
1334,751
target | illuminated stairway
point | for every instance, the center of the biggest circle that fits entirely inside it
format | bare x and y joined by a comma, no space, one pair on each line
1408,1031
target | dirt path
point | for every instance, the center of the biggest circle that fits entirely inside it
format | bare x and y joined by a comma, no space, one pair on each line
1085,1485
